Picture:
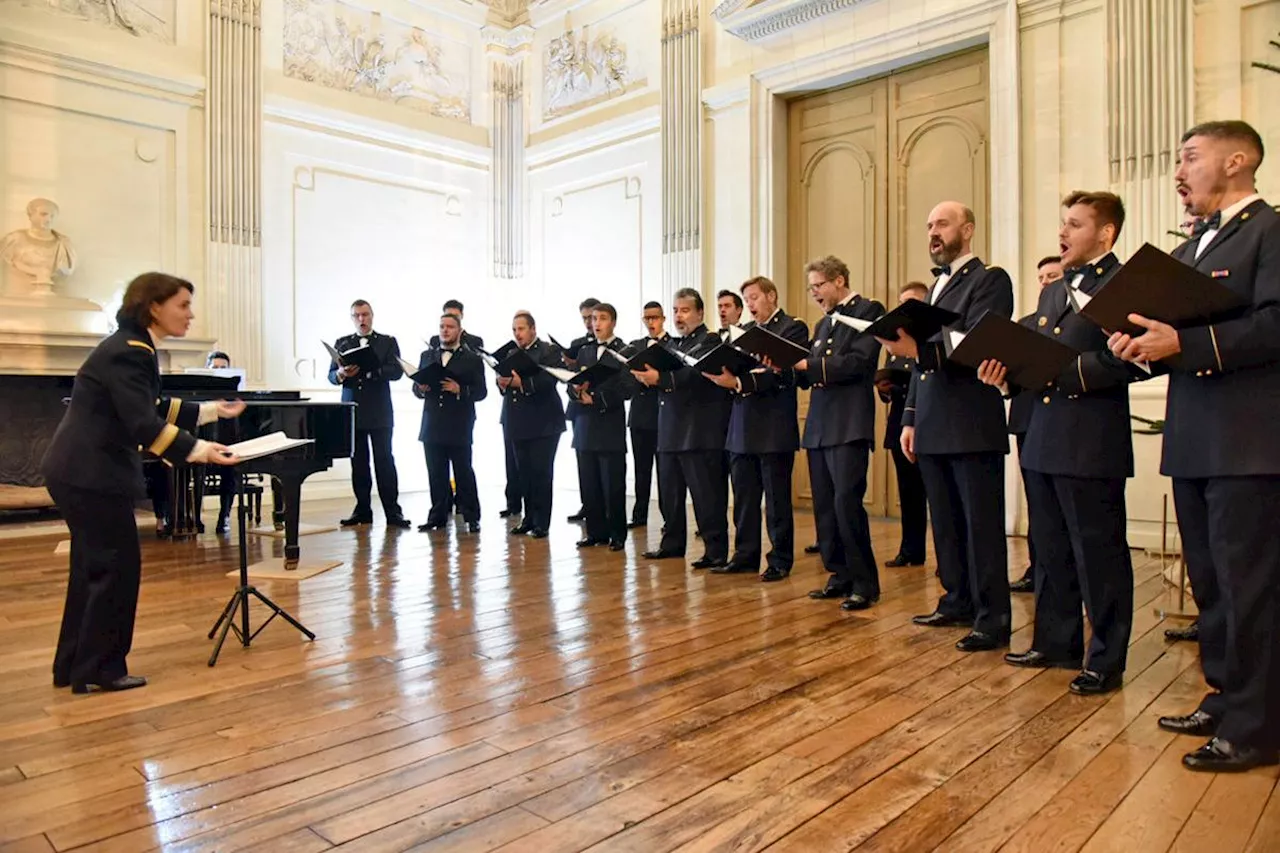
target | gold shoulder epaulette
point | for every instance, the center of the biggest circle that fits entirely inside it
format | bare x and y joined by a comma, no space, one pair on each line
141,345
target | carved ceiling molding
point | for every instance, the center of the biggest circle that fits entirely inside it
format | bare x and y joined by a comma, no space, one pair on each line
762,20
512,41
149,19
582,68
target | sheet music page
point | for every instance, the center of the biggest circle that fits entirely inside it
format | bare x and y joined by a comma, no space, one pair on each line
408,368
333,353
956,338
735,332
853,322
266,445
559,372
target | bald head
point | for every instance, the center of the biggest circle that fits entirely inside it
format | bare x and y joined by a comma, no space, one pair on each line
951,226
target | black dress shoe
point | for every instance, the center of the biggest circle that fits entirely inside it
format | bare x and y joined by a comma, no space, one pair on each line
857,602
580,515
61,682
590,542
732,568
632,525
1090,683
1220,756
709,563
773,574
1189,634
812,549
519,530
660,554
356,520
399,521
1196,723
473,527
430,525
903,560
538,533
942,620
978,641
1023,584
222,526
617,545
507,513
199,527
1033,659
163,531
124,682
829,591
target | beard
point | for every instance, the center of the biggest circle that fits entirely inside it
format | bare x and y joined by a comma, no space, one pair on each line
947,253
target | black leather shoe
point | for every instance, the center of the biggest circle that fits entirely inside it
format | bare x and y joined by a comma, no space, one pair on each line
660,554
1090,683
399,521
163,531
507,513
828,591
589,542
774,574
1220,756
709,563
812,549
977,641
519,530
473,527
942,620
732,568
632,525
356,520
857,602
430,525
223,525
1023,584
580,515
61,682
617,545
1196,723
1032,659
1189,634
124,682
903,560
538,533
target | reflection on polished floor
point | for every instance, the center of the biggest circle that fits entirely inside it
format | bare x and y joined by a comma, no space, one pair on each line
483,693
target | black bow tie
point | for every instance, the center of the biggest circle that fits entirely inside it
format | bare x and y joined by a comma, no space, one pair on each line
1210,223
938,272
1070,274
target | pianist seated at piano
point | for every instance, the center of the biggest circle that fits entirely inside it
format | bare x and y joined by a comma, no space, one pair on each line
93,470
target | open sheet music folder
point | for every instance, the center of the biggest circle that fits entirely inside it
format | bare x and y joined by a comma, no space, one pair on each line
1032,360
266,445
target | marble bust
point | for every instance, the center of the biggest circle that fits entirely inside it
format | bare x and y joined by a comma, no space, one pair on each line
37,253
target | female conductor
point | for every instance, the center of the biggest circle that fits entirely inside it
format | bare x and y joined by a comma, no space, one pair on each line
93,470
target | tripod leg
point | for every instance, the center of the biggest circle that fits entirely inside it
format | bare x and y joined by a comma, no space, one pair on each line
237,599
226,614
283,614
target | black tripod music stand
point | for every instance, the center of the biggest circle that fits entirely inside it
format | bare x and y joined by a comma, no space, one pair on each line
240,598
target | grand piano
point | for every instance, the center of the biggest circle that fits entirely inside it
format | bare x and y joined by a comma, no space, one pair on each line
331,425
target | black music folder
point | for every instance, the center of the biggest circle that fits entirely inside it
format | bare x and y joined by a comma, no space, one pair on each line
508,359
759,341
722,357
1032,360
1161,287
916,317
431,375
362,357
656,356
896,375
596,374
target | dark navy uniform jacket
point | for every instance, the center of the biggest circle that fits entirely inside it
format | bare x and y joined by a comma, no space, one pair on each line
763,418
371,390
449,418
116,414
693,412
602,426
535,410
841,371
644,402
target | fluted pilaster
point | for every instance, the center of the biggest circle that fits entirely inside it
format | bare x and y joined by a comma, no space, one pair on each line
681,145
508,51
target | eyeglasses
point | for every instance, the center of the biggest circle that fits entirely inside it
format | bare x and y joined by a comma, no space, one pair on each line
817,284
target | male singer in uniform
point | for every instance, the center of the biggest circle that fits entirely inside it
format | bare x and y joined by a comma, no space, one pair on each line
892,389
954,425
762,443
371,392
729,307
693,414
643,419
534,418
600,437
475,343
1224,393
838,432
586,308
1076,458
448,422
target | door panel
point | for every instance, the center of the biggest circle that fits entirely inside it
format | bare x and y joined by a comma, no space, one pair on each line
866,165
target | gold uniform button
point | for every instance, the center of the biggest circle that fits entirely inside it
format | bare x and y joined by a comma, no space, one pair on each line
1046,398
1208,373
1042,322
828,352
1057,330
1199,373
924,376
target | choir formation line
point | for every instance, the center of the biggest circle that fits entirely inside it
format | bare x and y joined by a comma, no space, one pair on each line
948,432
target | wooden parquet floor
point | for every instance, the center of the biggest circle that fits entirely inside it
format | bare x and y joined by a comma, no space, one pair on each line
482,693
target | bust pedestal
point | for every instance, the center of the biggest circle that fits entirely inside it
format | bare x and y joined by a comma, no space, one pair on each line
51,313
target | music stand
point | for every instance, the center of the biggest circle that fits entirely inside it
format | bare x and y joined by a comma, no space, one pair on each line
240,598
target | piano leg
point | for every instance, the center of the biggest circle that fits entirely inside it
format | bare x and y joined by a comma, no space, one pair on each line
290,491
278,509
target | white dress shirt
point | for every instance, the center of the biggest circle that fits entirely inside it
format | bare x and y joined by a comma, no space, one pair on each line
941,283
1227,214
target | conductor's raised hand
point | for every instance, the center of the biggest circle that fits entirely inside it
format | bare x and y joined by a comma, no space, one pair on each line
230,408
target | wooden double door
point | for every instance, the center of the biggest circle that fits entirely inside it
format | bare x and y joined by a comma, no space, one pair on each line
866,164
